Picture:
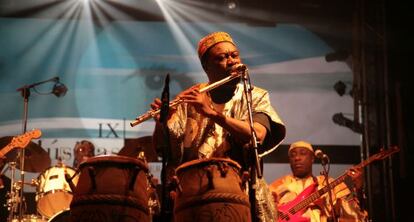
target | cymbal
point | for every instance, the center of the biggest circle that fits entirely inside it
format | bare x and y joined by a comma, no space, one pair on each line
36,159
133,147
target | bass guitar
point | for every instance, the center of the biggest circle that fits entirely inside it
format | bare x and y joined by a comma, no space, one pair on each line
292,211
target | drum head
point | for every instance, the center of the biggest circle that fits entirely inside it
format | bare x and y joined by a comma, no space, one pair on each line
53,178
110,160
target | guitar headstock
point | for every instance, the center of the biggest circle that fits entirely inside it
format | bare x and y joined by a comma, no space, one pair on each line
24,139
384,153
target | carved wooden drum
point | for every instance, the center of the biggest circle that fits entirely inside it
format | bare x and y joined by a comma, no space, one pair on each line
211,190
111,188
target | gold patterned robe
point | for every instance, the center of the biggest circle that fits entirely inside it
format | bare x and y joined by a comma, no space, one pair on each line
194,136
199,137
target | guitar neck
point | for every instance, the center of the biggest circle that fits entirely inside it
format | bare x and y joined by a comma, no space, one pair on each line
5,150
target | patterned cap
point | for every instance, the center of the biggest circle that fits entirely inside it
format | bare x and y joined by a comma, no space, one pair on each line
302,144
210,40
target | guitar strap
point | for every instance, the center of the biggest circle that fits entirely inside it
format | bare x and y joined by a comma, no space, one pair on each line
349,183
283,194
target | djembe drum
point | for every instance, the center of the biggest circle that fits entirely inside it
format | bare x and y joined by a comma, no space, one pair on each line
111,189
211,190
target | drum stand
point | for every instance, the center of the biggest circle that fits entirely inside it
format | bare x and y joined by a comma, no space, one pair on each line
13,199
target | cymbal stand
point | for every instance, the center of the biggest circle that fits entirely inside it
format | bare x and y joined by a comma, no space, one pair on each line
12,197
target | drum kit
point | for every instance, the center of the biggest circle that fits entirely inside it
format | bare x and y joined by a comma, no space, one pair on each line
53,194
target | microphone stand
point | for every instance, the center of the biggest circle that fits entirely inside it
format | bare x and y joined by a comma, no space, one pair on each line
325,173
25,92
255,169
164,112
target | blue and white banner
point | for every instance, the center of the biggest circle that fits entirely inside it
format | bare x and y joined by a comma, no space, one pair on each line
114,71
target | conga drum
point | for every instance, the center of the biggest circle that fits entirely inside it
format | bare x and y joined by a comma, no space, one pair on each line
111,189
211,190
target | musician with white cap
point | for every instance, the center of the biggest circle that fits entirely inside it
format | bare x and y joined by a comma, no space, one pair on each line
216,123
291,191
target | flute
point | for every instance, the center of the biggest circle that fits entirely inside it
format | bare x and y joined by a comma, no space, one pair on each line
152,113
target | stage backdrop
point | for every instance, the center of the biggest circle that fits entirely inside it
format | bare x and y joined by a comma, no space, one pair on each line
113,71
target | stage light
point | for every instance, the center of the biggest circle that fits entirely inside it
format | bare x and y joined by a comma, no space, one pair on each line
341,88
341,120
231,5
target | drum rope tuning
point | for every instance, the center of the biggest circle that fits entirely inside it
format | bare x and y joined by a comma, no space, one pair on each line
114,188
211,190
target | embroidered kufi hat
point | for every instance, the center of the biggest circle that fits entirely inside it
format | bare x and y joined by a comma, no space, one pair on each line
210,40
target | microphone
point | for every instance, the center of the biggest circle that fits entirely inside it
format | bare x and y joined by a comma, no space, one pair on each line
59,89
323,157
237,68
240,67
165,99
